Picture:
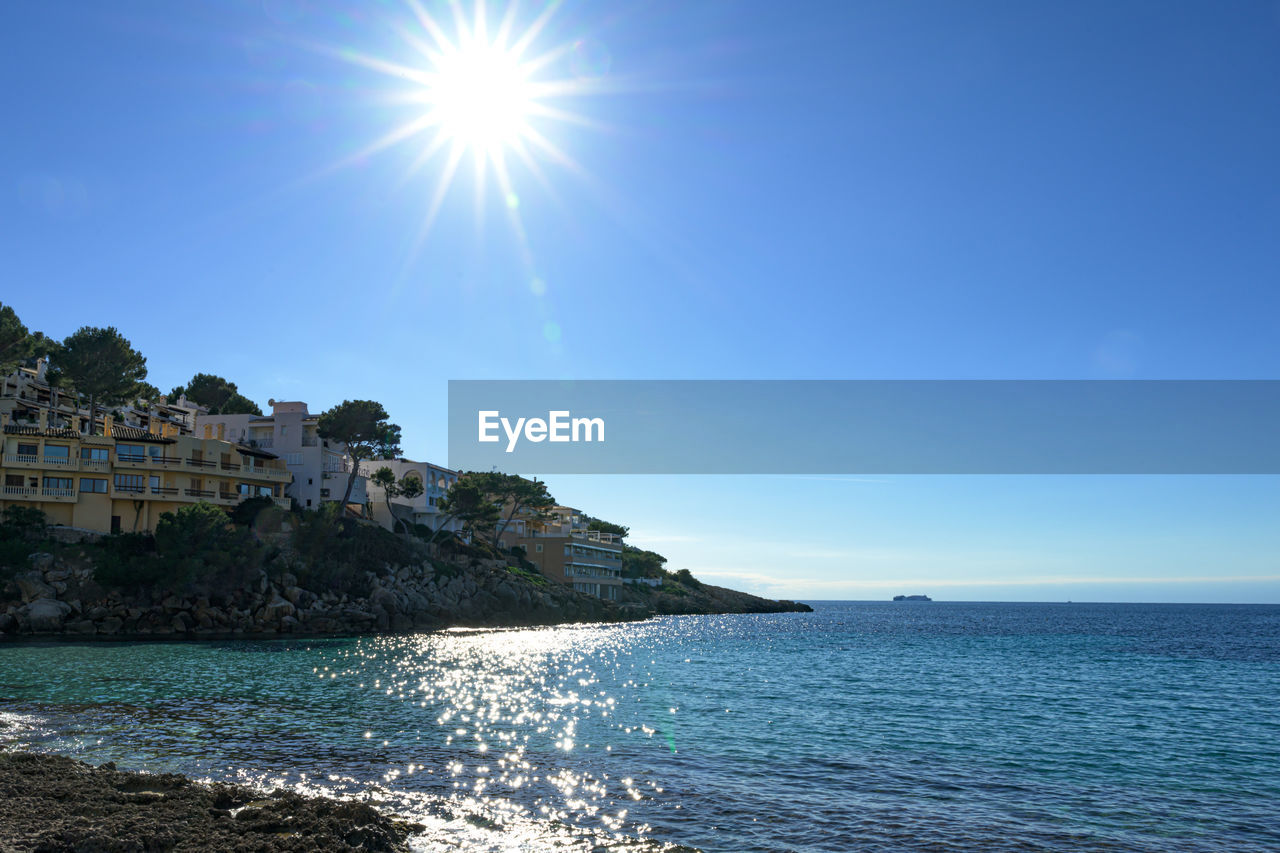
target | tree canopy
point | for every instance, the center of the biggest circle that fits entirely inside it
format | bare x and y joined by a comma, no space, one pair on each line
607,527
513,495
15,340
364,427
409,486
102,365
468,503
218,395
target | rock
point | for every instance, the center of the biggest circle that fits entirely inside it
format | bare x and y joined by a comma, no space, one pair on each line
31,586
181,622
41,560
84,626
59,586
277,609
8,623
52,575
47,614
110,626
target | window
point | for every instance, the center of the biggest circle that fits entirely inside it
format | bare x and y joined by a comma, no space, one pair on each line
308,501
243,489
264,491
129,483
131,452
14,480
538,547
324,493
60,483
309,481
28,449
293,459
96,485
57,451
93,454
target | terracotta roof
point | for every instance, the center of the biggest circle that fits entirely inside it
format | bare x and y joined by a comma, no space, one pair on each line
25,429
128,433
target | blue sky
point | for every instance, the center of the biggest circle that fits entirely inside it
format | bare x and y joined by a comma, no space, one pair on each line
755,190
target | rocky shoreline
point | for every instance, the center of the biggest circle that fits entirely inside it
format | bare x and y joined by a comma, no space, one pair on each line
58,596
50,804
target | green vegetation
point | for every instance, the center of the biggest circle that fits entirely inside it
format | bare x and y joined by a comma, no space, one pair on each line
467,502
100,364
607,527
217,394
22,531
15,340
363,426
409,486
530,575
638,563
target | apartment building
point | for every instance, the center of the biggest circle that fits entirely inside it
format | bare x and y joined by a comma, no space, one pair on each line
319,466
423,509
123,480
25,393
564,550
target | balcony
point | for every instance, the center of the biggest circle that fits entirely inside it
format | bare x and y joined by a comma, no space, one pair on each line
200,493
310,441
229,496
229,466
58,494
200,463
129,491
259,442
95,465
165,491
20,491
21,459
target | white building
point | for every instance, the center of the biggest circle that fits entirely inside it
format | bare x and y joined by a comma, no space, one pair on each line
319,466
423,509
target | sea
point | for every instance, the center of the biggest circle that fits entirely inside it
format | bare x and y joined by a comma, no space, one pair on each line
863,726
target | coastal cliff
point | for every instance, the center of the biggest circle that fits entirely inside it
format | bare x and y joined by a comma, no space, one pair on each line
352,579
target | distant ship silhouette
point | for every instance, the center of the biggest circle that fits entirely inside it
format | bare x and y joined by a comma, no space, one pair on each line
912,598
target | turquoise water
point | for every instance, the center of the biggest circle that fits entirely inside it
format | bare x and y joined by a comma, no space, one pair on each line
862,726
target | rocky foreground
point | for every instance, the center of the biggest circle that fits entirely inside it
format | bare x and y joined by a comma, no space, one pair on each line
49,804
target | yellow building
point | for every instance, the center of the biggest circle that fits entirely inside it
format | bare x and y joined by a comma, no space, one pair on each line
124,480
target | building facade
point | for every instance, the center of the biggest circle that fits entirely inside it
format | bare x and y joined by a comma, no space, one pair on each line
25,393
124,480
320,467
564,550
423,509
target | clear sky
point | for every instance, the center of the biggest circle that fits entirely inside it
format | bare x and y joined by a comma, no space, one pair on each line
721,190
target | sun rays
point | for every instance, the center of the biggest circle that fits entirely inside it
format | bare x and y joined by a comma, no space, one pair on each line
477,89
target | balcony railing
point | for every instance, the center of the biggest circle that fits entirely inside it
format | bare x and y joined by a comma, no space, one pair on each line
94,465
259,442
310,441
21,459
200,493
20,491
228,496
131,458
230,466
132,490
200,463
164,490
59,462
58,493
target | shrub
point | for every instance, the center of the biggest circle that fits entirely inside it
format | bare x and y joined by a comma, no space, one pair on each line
128,560
201,546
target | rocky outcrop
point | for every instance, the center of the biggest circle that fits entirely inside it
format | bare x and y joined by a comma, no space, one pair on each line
50,803
59,595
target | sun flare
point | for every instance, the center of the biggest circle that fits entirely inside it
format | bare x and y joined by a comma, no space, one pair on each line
481,97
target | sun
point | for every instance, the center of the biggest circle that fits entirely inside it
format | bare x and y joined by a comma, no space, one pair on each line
479,86
481,97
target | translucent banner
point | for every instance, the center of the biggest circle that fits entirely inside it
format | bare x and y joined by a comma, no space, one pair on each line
865,427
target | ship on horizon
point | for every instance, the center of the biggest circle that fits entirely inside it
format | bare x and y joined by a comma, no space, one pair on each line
912,598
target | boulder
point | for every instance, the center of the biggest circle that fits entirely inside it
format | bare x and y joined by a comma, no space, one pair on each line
110,626
278,608
47,614
41,560
32,586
